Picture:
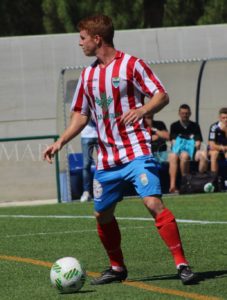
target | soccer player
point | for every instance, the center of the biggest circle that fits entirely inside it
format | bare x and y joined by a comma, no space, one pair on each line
111,91
218,140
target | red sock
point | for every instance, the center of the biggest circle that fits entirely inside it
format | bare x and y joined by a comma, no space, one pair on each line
110,237
168,230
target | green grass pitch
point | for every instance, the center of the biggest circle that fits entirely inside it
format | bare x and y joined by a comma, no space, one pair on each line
36,233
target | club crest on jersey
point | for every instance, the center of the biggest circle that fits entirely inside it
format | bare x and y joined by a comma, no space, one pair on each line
116,82
144,179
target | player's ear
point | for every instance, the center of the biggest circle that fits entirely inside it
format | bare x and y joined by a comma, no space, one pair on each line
98,39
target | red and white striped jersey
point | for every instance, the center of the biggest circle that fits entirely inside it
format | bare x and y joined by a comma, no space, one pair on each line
108,92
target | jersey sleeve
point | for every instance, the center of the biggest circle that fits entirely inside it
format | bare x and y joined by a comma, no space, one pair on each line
145,80
212,133
80,102
161,126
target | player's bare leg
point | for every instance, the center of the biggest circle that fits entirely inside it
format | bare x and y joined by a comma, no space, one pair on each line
214,161
201,157
184,163
173,166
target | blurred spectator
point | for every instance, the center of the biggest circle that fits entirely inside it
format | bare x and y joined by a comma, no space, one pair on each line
159,136
89,141
218,140
186,139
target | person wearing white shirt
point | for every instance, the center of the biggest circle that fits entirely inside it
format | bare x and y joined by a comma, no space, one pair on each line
89,142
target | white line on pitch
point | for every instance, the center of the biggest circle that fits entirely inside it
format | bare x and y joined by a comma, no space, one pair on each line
119,218
63,232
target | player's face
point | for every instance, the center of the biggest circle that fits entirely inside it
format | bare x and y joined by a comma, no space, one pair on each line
88,43
223,119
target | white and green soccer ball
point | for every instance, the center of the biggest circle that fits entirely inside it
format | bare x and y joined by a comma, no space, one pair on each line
67,275
208,187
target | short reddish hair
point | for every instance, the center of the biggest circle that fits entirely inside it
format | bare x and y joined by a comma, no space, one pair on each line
98,25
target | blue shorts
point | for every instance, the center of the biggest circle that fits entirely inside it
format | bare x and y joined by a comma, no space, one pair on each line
184,145
142,172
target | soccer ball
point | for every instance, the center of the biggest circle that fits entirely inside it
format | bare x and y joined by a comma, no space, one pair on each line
67,275
208,188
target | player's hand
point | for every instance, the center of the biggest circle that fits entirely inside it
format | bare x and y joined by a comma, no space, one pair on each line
48,154
132,116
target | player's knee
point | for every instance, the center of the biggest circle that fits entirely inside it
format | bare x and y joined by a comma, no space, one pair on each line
103,217
154,205
173,157
184,156
214,154
200,155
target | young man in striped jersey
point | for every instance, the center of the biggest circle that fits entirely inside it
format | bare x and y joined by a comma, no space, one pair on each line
111,91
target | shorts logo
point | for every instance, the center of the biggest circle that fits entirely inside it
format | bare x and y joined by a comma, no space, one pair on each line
144,179
97,189
116,82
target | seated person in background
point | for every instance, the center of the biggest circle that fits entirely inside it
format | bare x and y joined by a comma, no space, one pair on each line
159,136
186,139
217,143
89,142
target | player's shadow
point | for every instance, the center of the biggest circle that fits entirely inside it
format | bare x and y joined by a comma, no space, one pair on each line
201,276
81,292
212,274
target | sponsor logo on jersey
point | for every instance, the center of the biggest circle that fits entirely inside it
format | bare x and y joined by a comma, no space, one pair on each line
212,135
108,116
116,82
104,102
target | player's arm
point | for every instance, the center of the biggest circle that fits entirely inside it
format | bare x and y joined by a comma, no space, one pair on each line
153,105
211,141
214,146
160,134
77,123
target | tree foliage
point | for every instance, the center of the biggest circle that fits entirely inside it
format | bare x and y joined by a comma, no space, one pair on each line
64,15
125,14
182,12
153,12
22,17
215,12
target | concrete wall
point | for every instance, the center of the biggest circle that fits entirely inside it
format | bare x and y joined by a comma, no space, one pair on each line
30,68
